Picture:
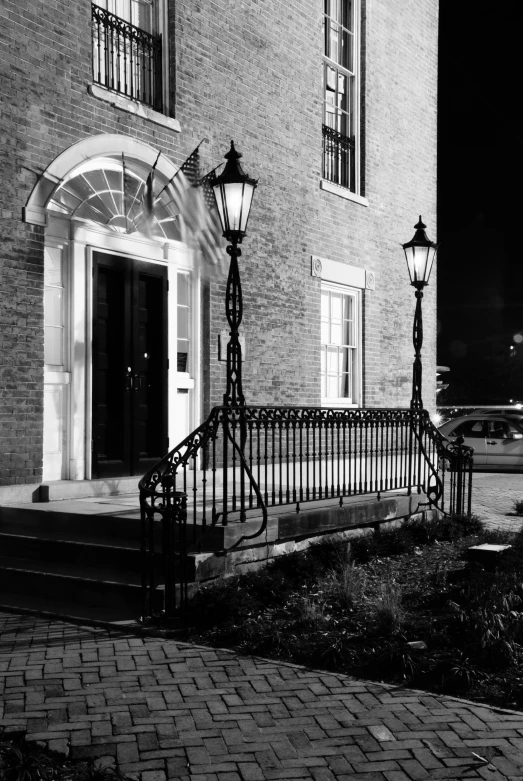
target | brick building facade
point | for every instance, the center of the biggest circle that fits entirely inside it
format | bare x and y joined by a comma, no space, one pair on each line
325,225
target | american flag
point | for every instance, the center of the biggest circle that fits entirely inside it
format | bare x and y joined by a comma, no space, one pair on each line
191,197
202,223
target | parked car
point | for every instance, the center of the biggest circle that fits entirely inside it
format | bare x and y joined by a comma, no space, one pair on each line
497,439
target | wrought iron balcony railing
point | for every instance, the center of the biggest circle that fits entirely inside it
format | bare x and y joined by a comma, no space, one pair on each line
338,158
245,459
127,59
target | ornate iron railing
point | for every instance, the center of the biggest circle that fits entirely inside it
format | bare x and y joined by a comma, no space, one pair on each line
338,158
246,459
127,59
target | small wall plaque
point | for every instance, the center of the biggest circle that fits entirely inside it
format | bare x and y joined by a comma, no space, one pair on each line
223,339
370,280
316,266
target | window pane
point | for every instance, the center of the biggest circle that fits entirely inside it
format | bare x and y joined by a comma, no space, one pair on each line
332,42
332,386
470,428
344,386
53,266
325,332
183,323
53,306
53,340
336,306
330,82
182,355
346,50
336,333
344,359
346,14
141,12
183,289
324,304
332,359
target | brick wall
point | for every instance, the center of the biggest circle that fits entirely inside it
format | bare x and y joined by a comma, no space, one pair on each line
262,87
249,71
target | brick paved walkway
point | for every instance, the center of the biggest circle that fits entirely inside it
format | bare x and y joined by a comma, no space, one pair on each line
171,710
493,497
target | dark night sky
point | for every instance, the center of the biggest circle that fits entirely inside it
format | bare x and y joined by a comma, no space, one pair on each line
480,155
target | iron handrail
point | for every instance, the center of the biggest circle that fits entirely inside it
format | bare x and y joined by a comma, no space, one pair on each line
244,459
127,59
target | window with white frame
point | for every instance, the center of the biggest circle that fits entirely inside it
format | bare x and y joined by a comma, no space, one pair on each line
341,93
340,353
54,310
183,323
128,56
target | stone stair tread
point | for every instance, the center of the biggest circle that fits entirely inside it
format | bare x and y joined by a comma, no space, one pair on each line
67,609
60,538
64,571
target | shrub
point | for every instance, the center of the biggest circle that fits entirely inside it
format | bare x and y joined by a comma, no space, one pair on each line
234,599
364,548
387,609
489,611
518,506
345,585
395,657
23,761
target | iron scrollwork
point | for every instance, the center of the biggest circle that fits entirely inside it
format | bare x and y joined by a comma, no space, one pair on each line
246,458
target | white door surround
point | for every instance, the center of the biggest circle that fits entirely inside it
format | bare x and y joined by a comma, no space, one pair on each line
69,244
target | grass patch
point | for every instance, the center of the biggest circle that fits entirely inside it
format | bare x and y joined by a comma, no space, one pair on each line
363,608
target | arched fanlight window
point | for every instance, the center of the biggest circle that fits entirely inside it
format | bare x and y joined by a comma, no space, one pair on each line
113,191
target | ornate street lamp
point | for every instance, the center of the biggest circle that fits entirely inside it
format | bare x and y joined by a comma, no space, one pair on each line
420,253
233,191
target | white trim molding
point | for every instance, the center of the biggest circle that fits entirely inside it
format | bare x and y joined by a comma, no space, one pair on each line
343,192
133,107
342,273
103,145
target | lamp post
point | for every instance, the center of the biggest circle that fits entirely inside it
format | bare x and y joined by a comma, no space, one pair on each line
233,191
420,253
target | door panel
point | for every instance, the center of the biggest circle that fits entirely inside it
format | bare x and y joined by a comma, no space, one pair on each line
502,450
129,366
473,430
149,362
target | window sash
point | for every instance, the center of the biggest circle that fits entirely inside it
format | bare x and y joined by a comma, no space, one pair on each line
54,309
183,306
340,94
339,345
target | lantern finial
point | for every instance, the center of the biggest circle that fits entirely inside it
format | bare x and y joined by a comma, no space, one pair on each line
233,190
420,253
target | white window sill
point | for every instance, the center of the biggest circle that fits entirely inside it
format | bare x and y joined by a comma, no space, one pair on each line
343,192
133,107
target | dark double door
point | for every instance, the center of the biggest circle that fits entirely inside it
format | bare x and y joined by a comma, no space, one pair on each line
129,365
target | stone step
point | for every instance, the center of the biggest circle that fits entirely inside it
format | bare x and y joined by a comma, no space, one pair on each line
62,556
75,521
81,556
66,594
